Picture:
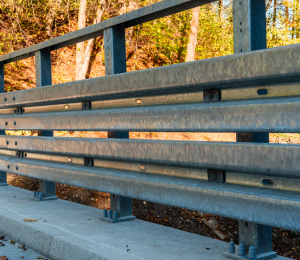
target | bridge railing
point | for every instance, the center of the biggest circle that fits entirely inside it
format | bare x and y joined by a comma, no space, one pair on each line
253,93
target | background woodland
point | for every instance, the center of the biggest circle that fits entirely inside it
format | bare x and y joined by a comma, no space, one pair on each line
201,33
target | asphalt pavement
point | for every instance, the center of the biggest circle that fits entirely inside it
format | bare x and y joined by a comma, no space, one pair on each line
16,251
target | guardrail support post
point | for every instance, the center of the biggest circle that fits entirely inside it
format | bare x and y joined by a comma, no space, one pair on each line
249,32
3,178
259,236
115,63
44,78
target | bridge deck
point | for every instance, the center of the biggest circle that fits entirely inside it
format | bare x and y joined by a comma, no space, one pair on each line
67,230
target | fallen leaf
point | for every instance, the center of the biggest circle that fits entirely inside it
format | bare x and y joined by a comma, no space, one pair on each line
30,220
3,257
22,257
40,257
1,237
1,244
13,242
21,246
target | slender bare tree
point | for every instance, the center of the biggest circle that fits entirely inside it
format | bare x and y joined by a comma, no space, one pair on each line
54,5
221,11
274,13
83,54
90,43
191,48
80,45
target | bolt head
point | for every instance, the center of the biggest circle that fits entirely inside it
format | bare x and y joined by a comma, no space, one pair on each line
214,176
242,250
231,247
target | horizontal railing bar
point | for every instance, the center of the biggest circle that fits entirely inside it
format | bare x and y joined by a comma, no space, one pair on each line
250,179
54,158
196,97
234,201
139,16
276,90
274,115
149,168
271,66
52,108
129,102
269,159
9,152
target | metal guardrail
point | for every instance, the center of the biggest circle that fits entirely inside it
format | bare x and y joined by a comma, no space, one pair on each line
257,69
255,92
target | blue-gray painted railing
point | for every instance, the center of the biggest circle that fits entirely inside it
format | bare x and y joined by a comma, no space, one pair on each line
253,93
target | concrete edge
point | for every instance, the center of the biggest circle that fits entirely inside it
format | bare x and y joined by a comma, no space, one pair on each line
54,243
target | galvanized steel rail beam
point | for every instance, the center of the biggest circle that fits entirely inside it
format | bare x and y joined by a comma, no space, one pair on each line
233,201
264,115
142,15
271,66
270,159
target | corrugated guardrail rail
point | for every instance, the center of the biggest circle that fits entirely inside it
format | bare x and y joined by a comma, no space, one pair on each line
253,93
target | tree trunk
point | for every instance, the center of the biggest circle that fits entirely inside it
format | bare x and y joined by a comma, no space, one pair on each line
90,43
268,5
274,13
53,6
80,46
191,48
298,19
286,18
221,11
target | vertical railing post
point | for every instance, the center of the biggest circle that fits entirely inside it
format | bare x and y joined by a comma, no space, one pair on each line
115,63
249,32
3,178
44,78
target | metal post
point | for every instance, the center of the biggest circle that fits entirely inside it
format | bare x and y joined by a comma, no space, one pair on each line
259,236
249,32
44,78
115,63
3,178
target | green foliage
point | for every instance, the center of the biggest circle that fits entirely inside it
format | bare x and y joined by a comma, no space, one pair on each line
215,34
169,36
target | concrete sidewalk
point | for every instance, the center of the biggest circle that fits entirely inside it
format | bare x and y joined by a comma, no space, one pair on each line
66,230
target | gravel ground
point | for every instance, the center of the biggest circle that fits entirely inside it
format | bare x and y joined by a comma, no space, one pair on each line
15,251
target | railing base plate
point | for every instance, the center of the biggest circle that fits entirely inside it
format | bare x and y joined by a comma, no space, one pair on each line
264,256
47,198
119,219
